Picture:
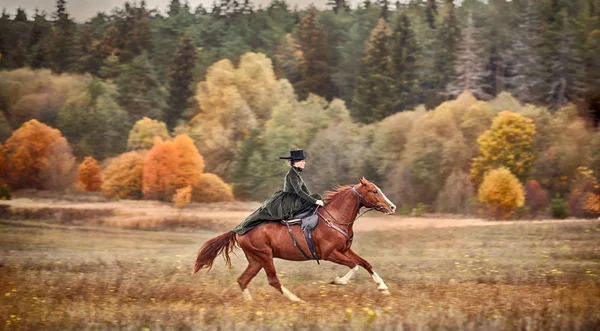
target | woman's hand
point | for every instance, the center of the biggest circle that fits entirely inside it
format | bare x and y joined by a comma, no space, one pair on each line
320,203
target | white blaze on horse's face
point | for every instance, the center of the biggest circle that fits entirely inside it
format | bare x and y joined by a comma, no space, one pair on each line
392,205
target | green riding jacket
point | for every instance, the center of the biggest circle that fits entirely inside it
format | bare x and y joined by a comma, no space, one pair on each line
283,204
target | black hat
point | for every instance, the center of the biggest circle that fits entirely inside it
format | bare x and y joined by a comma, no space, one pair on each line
297,154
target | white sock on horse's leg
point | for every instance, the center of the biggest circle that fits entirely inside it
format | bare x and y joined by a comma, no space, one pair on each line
289,294
344,280
246,294
380,284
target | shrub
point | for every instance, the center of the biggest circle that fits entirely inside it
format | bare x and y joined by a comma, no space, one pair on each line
143,133
212,189
159,176
501,193
558,208
182,196
123,176
5,193
89,176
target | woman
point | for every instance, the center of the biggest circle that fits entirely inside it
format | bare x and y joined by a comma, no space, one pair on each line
284,204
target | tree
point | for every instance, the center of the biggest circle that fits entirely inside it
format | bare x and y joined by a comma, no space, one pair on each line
89,176
447,42
373,98
180,80
189,165
535,197
140,93
144,132
28,151
338,5
508,143
405,55
63,39
501,193
123,176
431,12
469,69
315,70
159,179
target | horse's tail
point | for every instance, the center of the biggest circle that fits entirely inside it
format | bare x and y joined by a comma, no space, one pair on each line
224,244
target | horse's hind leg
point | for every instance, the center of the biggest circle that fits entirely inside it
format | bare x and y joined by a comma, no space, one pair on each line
365,264
274,281
251,270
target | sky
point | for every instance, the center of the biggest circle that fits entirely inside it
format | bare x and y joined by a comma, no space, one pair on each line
82,10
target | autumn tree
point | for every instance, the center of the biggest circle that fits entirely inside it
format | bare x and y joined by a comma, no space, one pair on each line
29,154
159,178
89,176
143,133
123,176
501,193
535,197
508,143
212,189
189,165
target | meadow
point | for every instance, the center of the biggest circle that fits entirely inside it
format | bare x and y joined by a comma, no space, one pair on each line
68,274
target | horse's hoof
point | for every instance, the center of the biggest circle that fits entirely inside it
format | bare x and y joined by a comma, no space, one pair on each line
246,295
338,281
385,292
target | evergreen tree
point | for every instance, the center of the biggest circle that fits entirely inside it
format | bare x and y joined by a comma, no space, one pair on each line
174,8
405,55
431,12
140,93
469,68
180,80
385,9
19,55
63,40
447,39
373,98
524,57
21,16
315,71
338,5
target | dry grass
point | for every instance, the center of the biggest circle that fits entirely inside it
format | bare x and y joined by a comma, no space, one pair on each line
515,276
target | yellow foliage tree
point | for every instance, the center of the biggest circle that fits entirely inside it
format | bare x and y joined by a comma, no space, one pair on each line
182,196
212,189
123,176
508,143
501,193
89,176
159,178
190,163
28,152
143,133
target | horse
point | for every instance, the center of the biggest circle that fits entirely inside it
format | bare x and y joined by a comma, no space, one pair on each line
332,236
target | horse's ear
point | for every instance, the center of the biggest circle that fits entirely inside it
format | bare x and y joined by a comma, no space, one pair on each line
362,180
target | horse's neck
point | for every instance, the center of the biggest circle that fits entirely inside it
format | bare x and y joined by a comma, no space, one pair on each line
345,207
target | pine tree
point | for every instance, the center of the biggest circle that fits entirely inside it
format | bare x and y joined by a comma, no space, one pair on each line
405,55
338,5
19,55
174,8
385,9
21,16
315,71
431,12
524,57
63,39
180,80
373,98
469,69
447,39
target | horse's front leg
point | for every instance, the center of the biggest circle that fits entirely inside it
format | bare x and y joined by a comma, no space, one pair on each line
363,263
352,260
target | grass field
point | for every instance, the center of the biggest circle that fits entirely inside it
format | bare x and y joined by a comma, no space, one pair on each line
530,276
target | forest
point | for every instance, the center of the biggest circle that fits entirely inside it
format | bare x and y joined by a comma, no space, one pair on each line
448,108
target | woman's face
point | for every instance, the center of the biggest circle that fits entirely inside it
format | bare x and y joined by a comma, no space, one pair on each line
300,164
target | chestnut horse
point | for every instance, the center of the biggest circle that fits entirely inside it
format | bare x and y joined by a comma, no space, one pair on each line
332,236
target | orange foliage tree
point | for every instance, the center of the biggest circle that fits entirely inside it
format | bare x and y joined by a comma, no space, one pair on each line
190,164
182,197
123,176
89,176
159,178
28,155
212,189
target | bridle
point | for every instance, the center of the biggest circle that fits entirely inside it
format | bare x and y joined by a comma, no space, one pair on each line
335,227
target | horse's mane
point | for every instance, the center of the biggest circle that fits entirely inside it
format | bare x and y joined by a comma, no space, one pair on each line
337,189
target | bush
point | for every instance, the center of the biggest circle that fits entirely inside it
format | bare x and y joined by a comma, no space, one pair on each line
182,197
212,189
501,193
5,193
89,176
536,198
123,176
558,208
421,209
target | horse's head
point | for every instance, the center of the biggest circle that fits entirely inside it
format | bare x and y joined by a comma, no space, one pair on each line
372,197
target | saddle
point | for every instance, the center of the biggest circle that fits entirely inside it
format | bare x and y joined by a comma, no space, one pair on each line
308,221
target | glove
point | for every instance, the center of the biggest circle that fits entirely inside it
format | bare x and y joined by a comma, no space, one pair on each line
320,203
